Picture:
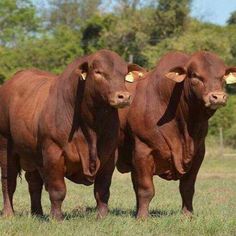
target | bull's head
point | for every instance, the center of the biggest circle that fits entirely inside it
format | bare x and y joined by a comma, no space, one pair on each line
207,75
105,72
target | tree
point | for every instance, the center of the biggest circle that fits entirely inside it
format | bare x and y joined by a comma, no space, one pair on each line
197,36
49,52
232,19
170,19
71,12
17,20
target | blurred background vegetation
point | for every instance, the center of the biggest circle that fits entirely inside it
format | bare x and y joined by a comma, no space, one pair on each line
50,37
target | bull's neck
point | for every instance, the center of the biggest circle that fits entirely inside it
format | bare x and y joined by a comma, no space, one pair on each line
78,103
94,109
195,108
180,102
66,93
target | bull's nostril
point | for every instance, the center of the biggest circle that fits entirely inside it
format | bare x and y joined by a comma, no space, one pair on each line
214,96
120,96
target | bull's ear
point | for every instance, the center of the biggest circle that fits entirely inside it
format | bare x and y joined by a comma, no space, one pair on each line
135,72
177,74
82,70
135,67
230,75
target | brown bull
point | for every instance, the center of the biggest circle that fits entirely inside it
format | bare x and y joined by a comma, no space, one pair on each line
62,127
165,129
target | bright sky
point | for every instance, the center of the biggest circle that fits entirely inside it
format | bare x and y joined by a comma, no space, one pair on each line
215,11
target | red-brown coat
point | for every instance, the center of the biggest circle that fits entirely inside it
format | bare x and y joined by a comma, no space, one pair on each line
60,127
167,123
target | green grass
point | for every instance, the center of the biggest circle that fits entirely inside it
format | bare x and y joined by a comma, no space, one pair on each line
214,204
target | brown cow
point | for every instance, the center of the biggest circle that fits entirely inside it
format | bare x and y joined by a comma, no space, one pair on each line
67,126
167,124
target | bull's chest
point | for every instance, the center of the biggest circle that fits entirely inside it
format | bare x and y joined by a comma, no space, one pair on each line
78,160
175,156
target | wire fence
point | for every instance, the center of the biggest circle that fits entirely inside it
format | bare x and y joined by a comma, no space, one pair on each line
223,151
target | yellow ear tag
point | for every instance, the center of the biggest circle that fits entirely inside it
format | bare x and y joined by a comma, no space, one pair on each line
140,75
129,77
230,78
84,76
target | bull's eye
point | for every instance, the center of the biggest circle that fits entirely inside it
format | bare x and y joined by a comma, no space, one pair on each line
98,72
195,81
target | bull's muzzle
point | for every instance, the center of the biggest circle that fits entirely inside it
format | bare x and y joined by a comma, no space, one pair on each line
216,100
120,99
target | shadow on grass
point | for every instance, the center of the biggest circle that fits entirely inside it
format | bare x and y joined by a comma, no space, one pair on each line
78,213
132,213
81,212
84,212
42,218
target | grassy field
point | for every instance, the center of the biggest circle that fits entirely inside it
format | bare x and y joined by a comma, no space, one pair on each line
214,202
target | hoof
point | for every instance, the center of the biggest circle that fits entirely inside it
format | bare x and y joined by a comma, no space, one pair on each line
8,213
142,217
37,213
57,217
102,213
187,214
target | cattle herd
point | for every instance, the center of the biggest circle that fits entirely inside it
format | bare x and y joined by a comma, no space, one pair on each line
102,113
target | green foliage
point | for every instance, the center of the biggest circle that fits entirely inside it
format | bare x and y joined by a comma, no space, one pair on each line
17,20
170,18
198,36
224,118
232,18
50,53
230,136
93,30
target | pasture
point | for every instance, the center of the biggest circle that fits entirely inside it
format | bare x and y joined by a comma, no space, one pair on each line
214,204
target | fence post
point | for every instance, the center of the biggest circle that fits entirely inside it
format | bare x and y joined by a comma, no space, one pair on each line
131,58
221,142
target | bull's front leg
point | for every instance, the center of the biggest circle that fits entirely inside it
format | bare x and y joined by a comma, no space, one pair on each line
54,177
102,187
187,183
142,178
103,176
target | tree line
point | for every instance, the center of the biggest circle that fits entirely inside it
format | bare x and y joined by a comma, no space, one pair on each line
49,34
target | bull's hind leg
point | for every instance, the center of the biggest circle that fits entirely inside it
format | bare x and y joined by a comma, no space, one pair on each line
102,187
187,183
35,185
9,169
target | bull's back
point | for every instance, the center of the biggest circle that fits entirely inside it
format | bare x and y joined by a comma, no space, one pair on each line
21,100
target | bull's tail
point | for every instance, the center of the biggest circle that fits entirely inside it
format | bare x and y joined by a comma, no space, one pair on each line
5,148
